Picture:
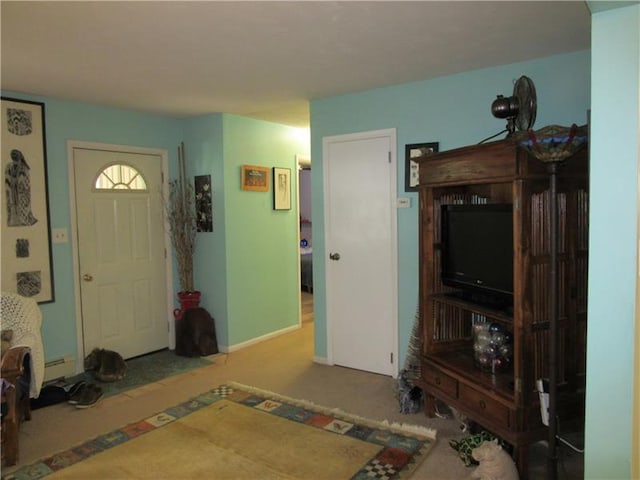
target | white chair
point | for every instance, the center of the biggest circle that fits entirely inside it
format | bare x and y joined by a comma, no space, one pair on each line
22,367
23,316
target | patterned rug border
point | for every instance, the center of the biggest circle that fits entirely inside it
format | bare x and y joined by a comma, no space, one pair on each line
400,455
403,428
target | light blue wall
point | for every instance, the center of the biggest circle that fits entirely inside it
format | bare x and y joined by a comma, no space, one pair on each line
203,139
613,242
246,268
83,122
452,110
262,251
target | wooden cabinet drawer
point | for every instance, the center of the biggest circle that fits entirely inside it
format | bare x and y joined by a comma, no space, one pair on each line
484,405
441,381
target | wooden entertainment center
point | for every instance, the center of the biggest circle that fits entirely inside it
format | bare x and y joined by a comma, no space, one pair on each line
506,402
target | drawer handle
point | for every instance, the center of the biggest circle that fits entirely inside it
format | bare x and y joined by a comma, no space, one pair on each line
482,404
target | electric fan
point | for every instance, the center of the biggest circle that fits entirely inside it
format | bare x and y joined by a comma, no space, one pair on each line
520,108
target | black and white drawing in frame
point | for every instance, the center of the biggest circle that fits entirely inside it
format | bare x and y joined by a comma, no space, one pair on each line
204,203
26,247
281,188
411,173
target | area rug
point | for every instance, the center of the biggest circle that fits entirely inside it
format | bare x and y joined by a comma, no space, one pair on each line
239,432
147,369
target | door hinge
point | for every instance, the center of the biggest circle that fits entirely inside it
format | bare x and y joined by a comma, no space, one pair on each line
518,384
391,358
162,177
389,157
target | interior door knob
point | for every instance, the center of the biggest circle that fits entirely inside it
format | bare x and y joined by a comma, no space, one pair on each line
87,278
334,256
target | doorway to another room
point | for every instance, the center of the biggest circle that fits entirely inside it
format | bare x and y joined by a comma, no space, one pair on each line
306,239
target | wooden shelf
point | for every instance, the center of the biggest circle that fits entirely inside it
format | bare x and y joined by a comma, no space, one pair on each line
479,308
505,403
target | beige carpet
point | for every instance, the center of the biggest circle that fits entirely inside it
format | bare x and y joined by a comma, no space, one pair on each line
282,364
240,432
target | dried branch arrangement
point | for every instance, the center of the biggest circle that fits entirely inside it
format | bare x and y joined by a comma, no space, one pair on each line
182,223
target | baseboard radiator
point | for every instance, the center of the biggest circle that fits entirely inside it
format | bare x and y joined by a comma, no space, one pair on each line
60,367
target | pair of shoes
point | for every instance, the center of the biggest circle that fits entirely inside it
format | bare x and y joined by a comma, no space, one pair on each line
89,396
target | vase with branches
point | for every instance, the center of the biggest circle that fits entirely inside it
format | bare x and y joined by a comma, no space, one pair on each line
181,216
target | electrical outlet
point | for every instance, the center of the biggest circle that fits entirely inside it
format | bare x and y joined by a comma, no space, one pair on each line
60,235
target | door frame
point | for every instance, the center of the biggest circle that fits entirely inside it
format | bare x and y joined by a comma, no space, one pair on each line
389,133
75,254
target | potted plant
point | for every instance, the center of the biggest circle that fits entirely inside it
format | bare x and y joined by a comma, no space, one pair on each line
181,216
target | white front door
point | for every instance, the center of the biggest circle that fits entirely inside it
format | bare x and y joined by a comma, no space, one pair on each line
361,250
121,253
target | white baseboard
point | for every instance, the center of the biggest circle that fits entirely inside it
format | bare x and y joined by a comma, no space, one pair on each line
60,367
322,360
253,341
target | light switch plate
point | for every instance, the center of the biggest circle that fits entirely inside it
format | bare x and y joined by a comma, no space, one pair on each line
403,202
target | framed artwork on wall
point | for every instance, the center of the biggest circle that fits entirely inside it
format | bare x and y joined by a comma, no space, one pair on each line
411,173
26,243
255,178
281,188
204,203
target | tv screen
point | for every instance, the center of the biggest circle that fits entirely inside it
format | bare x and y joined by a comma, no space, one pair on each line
477,248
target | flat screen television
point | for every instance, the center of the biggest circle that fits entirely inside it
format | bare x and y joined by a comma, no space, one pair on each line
477,251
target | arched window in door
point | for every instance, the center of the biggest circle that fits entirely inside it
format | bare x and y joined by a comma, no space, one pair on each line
120,176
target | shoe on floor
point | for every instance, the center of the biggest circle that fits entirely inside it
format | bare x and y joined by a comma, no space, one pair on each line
76,392
90,396
74,388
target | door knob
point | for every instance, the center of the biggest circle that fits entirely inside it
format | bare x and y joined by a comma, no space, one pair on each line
87,278
334,256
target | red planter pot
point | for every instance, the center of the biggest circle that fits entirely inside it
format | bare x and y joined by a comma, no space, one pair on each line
187,300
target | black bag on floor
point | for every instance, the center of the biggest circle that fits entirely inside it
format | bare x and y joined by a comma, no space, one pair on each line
196,334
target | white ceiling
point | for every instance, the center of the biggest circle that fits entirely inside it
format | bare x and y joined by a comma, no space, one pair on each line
264,59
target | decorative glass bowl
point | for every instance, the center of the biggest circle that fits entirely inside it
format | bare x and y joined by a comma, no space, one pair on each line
492,347
554,143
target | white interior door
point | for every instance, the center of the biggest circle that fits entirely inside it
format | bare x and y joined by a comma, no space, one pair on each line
121,251
361,250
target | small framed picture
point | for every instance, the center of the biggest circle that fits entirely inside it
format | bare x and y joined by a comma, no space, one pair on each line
255,178
412,152
204,204
281,188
